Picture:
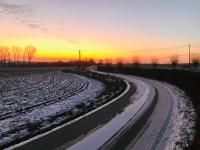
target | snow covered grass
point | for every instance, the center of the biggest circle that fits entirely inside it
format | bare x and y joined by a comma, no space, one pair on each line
34,101
182,126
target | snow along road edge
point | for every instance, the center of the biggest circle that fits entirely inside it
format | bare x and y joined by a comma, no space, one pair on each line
103,137
178,127
70,122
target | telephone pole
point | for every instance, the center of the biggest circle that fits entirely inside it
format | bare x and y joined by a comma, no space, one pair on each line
79,52
189,55
79,55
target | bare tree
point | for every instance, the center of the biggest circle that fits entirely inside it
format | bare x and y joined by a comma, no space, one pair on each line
91,61
136,61
4,54
174,61
195,60
120,62
16,52
100,62
29,52
1,53
108,61
154,62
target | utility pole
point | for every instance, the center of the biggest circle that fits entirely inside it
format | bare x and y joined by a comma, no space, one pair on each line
189,55
79,62
79,55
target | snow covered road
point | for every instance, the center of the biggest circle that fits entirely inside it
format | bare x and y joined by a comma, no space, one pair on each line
168,124
158,122
107,136
138,127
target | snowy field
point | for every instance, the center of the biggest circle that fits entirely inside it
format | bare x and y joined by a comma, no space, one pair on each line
31,101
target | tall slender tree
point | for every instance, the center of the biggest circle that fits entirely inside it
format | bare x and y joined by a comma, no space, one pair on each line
16,52
195,60
136,61
4,54
29,52
120,62
174,61
154,62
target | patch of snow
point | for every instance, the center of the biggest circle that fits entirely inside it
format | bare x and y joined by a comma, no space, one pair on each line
47,93
181,129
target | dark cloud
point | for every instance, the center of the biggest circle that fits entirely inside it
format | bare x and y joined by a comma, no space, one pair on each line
25,14
15,9
68,40
22,13
33,25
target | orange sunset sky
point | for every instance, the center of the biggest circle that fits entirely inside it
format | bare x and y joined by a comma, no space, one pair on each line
101,29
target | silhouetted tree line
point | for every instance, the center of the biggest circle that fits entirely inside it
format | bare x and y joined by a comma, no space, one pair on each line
22,57
51,64
16,55
154,63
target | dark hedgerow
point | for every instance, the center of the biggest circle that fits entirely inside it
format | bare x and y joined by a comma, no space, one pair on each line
32,126
114,86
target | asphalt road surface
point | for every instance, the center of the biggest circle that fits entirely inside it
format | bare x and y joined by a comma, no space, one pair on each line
150,137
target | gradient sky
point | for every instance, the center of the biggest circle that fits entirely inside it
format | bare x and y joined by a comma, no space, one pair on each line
100,28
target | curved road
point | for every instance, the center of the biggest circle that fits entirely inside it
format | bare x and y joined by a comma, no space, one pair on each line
154,128
151,129
150,137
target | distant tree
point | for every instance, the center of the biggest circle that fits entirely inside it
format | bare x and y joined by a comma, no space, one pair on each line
91,61
85,59
136,61
154,62
108,62
195,60
100,62
16,52
29,52
120,62
4,54
1,53
174,61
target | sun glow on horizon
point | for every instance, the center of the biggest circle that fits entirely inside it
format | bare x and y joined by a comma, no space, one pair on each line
113,30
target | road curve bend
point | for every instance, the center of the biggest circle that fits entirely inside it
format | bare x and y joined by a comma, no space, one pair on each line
145,130
156,127
67,133
112,134
141,125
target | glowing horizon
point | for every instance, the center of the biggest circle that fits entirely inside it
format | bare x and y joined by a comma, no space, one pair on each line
101,29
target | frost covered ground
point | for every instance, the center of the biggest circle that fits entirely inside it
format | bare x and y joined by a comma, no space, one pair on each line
30,101
181,129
